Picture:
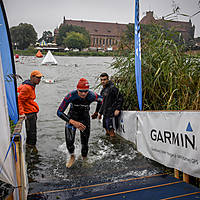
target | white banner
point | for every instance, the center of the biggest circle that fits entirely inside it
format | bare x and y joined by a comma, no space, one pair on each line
128,126
171,138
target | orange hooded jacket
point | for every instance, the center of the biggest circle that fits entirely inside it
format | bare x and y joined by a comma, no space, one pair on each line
26,97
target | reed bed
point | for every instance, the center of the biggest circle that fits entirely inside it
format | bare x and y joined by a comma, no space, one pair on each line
170,78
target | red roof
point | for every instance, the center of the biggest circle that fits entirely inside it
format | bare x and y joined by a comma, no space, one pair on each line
99,28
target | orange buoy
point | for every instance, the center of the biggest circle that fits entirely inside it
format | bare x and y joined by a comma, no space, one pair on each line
39,54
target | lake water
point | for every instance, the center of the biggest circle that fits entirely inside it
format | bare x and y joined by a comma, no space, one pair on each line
108,160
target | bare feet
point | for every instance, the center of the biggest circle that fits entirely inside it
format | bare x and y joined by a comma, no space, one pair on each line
71,161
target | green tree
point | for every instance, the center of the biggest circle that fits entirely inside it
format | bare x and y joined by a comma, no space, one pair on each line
23,35
127,39
47,36
64,29
75,40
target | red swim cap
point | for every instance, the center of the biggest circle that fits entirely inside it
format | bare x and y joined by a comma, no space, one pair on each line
83,84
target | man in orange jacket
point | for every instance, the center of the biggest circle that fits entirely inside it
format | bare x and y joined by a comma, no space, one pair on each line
28,108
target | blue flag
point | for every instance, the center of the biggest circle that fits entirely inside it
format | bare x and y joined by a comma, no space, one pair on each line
138,75
8,66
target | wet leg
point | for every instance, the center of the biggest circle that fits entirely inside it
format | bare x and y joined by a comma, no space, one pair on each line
84,141
70,132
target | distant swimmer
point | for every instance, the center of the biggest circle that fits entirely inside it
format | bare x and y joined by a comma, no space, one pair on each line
78,117
50,81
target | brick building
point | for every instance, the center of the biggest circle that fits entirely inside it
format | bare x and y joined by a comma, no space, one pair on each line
106,35
103,35
185,28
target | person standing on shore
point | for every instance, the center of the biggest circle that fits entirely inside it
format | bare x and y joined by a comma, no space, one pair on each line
78,117
111,106
28,108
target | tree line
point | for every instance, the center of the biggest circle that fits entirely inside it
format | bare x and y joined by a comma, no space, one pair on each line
73,37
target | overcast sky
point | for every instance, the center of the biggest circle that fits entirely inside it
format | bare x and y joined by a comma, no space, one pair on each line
46,15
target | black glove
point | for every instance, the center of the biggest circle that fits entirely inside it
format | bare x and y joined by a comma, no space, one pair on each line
94,116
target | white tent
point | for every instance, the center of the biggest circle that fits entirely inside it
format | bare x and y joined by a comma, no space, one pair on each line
7,162
49,59
7,167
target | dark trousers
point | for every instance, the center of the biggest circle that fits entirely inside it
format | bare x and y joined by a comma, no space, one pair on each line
70,132
31,128
110,123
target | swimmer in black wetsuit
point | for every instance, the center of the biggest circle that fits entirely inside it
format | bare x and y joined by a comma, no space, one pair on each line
78,117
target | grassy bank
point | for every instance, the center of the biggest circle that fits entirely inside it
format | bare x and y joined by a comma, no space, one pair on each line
32,52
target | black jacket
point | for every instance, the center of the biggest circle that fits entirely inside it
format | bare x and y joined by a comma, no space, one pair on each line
112,100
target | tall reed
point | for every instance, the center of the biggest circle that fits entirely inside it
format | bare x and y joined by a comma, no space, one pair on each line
171,79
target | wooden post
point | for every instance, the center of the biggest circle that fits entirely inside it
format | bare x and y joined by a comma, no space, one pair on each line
17,165
20,173
186,178
10,197
176,173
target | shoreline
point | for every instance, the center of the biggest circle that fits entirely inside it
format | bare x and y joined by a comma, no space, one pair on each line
69,53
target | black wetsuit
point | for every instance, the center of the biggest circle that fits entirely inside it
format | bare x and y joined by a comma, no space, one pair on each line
112,100
79,111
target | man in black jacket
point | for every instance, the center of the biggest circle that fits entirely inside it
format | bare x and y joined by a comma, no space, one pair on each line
111,106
